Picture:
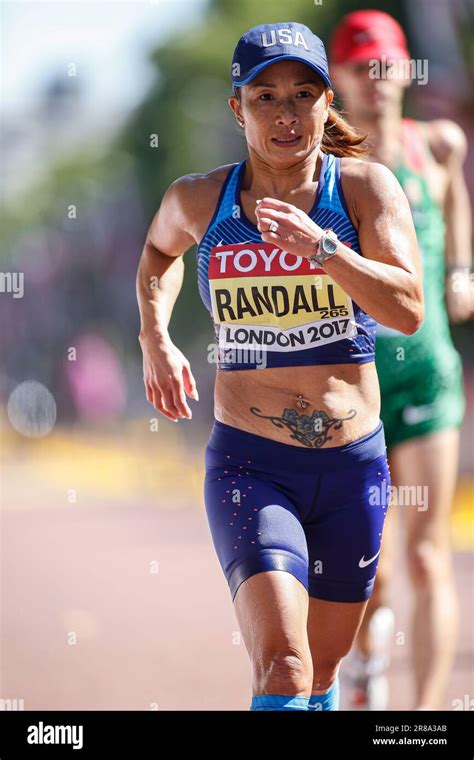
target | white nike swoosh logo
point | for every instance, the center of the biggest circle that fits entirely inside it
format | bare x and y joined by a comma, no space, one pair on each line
413,414
363,562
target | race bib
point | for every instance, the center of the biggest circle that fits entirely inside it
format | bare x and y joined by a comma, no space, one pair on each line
264,297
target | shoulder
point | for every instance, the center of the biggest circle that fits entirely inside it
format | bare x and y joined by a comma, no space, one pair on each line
185,210
193,197
197,191
369,184
446,139
189,184
371,173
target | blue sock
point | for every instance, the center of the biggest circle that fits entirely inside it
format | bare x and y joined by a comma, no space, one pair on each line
327,701
278,702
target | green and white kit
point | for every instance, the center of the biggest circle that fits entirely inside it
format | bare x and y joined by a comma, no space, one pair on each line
420,375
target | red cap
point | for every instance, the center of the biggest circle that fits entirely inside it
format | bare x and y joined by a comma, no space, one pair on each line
367,34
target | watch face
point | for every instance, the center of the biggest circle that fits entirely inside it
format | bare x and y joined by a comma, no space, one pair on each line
329,245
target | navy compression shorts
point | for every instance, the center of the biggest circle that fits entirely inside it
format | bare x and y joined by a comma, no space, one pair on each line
315,513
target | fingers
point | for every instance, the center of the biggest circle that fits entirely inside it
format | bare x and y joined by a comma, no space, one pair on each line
282,217
155,399
164,403
160,407
170,400
162,400
168,397
190,383
269,236
278,213
167,390
267,217
274,203
179,397
149,392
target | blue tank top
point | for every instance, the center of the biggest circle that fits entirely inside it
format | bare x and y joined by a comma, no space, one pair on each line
271,308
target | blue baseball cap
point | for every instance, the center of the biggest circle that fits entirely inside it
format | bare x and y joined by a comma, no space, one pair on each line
268,43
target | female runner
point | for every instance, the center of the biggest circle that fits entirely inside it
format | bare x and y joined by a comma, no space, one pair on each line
302,248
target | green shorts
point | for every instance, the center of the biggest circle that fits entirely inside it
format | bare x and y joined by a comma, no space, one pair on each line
421,393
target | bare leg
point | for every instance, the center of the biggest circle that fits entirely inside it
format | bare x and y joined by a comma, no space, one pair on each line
272,608
295,643
431,461
332,627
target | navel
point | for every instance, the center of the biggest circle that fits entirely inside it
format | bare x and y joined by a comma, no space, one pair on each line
302,403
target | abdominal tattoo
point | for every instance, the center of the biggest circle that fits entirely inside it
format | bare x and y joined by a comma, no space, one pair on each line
312,431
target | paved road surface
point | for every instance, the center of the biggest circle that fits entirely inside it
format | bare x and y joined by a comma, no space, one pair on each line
126,608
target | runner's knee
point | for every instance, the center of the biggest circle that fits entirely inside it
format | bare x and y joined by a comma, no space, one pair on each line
282,671
427,562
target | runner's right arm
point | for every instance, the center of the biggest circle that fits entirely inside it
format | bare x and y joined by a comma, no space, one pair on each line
166,371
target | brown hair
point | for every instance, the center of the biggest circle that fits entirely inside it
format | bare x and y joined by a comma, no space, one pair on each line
339,137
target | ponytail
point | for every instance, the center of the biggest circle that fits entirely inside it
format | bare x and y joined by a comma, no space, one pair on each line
340,138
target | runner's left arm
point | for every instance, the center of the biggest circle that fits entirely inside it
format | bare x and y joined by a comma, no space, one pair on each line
386,281
449,146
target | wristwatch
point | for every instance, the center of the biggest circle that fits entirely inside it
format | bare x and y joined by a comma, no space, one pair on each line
326,247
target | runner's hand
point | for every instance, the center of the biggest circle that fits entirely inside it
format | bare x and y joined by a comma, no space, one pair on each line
168,378
297,233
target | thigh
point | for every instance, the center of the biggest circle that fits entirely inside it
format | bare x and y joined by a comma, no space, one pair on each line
345,535
332,628
272,611
424,476
254,526
261,547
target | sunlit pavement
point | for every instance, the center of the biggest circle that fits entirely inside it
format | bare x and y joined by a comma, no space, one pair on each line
127,608
112,595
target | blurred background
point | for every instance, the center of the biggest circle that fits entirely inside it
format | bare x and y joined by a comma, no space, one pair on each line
112,596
